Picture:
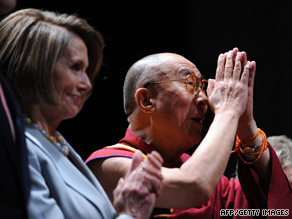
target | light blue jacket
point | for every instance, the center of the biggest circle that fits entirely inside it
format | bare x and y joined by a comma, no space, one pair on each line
62,188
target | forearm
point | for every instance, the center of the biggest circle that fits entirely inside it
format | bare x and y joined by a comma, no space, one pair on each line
193,183
211,157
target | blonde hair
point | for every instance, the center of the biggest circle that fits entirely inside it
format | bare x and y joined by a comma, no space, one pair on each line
283,147
31,42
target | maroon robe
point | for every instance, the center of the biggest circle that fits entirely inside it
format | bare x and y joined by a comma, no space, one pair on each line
230,198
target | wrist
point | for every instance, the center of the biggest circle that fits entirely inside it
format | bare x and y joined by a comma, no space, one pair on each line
227,120
251,154
227,114
246,131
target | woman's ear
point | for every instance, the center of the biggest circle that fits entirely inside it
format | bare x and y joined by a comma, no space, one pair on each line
144,100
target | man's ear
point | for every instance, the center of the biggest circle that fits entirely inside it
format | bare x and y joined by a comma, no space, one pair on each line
144,100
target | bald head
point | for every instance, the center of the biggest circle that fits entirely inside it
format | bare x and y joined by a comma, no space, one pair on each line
137,74
145,70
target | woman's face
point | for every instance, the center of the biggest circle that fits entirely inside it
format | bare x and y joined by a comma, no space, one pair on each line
72,82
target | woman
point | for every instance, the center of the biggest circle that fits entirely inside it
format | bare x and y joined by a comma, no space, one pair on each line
51,61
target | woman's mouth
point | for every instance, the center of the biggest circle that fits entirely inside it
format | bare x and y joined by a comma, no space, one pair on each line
77,98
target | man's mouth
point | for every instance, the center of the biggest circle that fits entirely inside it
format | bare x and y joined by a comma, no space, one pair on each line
198,120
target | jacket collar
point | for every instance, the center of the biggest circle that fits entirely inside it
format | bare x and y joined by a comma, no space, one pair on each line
73,170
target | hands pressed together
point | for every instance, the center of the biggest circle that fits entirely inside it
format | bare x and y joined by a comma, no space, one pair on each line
232,90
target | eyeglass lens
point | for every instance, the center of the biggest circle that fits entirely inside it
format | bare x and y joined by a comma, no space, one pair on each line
193,85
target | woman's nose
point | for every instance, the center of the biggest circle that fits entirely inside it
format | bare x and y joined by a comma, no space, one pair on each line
85,84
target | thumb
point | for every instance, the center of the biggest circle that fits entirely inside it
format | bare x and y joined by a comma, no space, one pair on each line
211,85
137,159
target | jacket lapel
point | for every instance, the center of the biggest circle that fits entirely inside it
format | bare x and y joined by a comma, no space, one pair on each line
75,174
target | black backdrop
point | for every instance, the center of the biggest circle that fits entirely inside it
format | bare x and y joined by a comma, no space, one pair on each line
198,30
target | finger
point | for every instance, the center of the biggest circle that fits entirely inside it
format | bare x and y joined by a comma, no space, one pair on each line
148,170
252,74
156,185
157,156
152,159
237,66
119,186
211,86
228,66
234,52
245,74
244,58
137,159
220,67
151,166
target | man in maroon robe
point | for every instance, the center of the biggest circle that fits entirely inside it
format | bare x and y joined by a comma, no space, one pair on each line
166,106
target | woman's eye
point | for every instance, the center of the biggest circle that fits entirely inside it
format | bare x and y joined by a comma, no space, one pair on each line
76,67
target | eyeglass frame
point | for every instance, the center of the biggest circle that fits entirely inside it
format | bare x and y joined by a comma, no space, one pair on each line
181,79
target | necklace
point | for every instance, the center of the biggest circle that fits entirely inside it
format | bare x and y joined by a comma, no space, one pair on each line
58,141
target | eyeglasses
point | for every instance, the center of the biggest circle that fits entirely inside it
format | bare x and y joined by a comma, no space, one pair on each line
193,83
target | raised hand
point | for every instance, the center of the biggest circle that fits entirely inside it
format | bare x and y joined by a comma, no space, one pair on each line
228,93
136,194
247,126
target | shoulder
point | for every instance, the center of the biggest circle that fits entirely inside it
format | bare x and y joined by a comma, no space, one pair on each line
41,154
117,150
115,159
110,165
35,149
111,161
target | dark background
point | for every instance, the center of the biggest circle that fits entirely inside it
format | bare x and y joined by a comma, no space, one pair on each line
198,30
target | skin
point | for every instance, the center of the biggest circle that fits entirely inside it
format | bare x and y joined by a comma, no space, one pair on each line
170,120
175,113
72,85
144,182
